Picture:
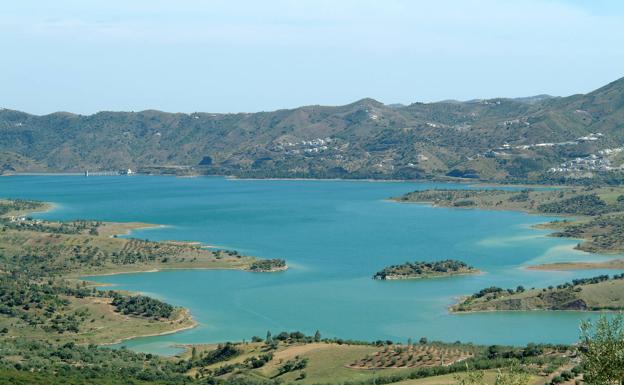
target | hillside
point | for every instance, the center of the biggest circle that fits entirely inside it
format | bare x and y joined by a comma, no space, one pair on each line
589,294
526,139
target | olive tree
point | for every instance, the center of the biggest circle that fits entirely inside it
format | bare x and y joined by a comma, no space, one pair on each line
602,350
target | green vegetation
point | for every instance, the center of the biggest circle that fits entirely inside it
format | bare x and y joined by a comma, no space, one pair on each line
268,265
596,293
509,140
589,204
81,247
588,201
602,234
301,359
19,206
602,350
413,270
140,305
45,362
293,358
223,352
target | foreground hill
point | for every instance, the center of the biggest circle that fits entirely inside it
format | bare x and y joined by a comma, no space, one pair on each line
535,139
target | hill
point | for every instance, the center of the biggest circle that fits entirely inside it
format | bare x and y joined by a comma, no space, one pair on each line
538,138
588,294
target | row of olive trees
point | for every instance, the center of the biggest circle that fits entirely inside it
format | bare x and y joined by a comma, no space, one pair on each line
601,348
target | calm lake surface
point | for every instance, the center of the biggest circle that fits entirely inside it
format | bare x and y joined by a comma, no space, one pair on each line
334,235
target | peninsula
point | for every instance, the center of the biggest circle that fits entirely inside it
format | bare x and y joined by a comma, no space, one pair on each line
43,292
587,294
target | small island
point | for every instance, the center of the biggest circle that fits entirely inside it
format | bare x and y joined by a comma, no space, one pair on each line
585,294
419,270
268,265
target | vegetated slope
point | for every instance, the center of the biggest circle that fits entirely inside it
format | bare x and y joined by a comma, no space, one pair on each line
597,293
497,139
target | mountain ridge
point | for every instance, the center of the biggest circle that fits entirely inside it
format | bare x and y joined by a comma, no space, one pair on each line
497,139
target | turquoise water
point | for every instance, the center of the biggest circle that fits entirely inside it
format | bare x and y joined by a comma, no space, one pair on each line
334,236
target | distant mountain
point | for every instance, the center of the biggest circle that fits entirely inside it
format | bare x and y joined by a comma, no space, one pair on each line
534,99
539,138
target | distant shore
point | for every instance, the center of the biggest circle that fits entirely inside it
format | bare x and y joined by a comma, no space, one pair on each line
468,181
616,264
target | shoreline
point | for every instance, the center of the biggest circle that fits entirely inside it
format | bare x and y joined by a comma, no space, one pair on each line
468,181
450,311
161,269
126,228
615,264
186,314
544,226
130,227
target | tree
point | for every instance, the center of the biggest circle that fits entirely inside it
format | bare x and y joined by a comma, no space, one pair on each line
602,350
269,337
471,377
512,376
317,336
194,353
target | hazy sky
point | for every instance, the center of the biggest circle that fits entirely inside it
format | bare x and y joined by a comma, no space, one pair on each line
229,56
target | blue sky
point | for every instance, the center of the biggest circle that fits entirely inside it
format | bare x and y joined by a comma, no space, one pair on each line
231,56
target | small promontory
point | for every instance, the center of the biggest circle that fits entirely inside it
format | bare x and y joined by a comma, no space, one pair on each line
416,270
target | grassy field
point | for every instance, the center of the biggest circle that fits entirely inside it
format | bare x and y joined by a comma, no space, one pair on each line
326,362
333,363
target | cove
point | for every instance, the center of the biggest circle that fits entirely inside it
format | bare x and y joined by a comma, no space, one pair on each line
334,235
